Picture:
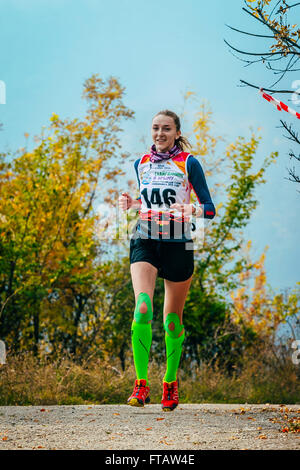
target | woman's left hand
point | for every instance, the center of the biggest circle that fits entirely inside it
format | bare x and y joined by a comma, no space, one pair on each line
185,209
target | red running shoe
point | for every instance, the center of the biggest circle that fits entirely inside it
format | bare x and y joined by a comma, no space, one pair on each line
140,394
170,396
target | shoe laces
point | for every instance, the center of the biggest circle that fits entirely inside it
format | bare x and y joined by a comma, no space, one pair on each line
171,391
139,388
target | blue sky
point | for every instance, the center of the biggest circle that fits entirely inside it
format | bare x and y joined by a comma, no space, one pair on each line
158,51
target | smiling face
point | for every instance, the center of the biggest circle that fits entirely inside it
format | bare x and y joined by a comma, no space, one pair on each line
164,132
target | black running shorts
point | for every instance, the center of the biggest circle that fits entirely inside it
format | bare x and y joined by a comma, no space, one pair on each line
173,261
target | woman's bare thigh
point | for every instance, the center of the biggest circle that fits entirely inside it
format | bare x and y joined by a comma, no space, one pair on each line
143,277
175,296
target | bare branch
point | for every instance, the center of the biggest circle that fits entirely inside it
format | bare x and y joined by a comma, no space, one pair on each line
284,71
288,7
266,89
250,34
248,62
275,6
294,178
293,135
292,155
276,71
256,53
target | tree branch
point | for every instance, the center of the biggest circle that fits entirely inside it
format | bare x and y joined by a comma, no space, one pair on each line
261,54
294,178
292,155
293,134
275,6
250,34
274,30
266,89
283,72
288,7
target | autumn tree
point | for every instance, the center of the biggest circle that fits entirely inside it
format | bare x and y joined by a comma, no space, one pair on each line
279,53
256,306
264,312
48,247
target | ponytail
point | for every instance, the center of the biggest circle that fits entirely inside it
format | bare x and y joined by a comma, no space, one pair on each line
183,143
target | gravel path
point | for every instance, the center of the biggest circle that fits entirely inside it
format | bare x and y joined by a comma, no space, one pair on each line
201,426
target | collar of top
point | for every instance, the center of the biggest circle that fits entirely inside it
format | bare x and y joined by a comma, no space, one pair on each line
159,156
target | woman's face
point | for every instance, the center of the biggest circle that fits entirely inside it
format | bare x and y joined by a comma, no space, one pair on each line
164,132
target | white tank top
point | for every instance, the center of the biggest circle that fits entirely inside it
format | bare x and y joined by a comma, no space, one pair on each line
163,183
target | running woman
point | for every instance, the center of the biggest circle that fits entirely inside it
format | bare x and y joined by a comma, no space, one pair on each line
158,247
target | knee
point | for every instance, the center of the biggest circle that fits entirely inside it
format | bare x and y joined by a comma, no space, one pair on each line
143,310
172,326
143,307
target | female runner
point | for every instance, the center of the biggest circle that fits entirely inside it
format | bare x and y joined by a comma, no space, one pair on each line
159,247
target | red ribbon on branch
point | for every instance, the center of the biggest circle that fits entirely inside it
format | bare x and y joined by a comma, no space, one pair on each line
279,104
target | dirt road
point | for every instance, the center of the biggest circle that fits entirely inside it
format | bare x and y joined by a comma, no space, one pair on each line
115,427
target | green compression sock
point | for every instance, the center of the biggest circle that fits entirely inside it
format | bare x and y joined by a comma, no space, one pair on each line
141,336
173,346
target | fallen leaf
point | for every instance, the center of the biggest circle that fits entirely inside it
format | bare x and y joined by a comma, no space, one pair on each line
262,437
159,419
43,409
148,429
4,438
165,442
116,414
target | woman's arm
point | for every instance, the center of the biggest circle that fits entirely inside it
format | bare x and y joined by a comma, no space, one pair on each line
136,204
125,200
197,179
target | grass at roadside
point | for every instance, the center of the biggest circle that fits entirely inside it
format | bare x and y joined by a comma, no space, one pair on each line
25,380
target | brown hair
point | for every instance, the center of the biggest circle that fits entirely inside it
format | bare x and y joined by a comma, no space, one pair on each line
182,142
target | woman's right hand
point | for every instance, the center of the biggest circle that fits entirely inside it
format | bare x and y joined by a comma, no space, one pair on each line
125,201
